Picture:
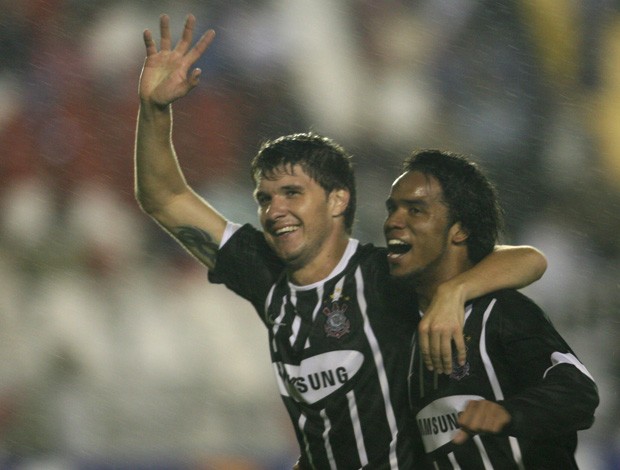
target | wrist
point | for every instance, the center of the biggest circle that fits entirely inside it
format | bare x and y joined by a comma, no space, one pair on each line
453,287
154,114
152,107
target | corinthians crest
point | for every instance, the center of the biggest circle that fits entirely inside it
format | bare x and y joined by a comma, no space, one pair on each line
460,371
337,324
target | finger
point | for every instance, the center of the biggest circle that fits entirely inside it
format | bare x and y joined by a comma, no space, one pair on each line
194,77
461,350
151,48
465,417
496,418
424,350
188,33
479,416
460,437
436,351
489,422
446,354
205,40
194,54
164,28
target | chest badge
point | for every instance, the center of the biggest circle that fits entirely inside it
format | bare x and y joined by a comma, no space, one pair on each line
337,324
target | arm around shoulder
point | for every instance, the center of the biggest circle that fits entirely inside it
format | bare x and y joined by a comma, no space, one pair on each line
507,267
442,324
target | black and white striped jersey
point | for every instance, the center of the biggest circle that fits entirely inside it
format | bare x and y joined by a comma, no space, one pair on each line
515,357
339,348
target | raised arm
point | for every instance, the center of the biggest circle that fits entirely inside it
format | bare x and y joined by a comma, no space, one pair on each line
442,324
161,189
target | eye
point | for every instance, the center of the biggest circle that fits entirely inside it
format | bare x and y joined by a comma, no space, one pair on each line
292,192
390,207
262,199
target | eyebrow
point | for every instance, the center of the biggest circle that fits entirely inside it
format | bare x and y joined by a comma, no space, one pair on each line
287,187
408,202
291,186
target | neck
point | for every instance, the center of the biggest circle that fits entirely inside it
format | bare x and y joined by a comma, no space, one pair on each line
321,266
426,284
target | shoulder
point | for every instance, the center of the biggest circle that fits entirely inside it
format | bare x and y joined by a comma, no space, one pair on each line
372,256
510,307
378,283
508,299
247,245
372,261
249,238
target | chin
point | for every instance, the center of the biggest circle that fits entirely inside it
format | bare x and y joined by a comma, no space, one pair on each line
404,275
399,274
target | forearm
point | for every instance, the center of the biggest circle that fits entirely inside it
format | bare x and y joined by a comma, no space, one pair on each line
561,404
507,267
158,177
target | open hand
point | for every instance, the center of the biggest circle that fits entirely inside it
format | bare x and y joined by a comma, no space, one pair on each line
166,73
440,328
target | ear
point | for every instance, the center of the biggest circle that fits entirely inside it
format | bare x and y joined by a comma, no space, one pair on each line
458,235
339,201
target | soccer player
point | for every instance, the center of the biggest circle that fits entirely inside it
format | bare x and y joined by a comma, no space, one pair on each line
521,395
339,330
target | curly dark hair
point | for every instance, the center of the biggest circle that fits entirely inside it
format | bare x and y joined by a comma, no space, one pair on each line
325,161
470,196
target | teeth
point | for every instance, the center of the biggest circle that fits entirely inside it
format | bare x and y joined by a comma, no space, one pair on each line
396,242
290,228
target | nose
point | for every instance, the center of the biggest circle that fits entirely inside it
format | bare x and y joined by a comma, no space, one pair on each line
275,209
394,220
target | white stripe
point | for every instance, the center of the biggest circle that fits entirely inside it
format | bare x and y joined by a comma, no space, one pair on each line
301,422
328,446
497,390
567,358
452,459
468,311
516,451
296,319
488,365
278,321
295,329
374,345
319,294
483,453
411,366
338,289
359,437
268,299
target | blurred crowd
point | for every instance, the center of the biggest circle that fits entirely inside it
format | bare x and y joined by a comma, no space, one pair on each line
114,348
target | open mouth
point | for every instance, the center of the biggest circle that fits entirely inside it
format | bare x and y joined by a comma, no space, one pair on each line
398,247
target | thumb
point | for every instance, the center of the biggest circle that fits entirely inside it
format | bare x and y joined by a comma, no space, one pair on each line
194,77
460,437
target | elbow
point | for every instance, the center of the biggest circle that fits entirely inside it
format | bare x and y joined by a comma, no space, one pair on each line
584,411
144,203
149,205
539,261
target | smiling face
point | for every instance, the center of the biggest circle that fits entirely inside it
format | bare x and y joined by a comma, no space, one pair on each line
301,222
417,229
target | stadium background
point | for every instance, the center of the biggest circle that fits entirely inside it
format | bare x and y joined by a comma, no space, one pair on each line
115,352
